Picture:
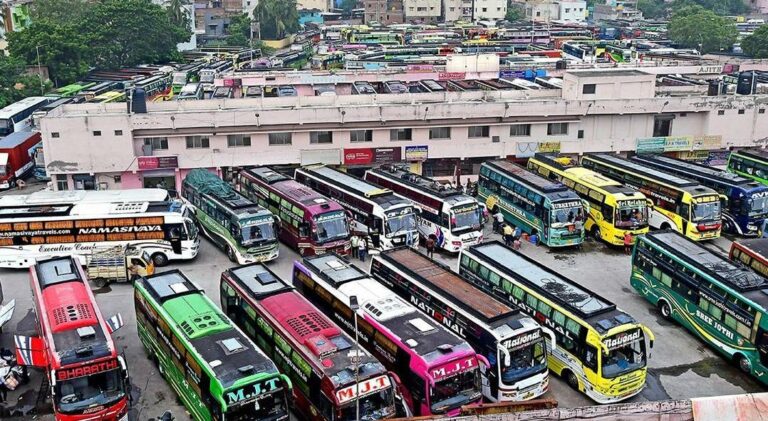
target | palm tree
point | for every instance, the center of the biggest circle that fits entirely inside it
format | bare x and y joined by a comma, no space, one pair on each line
178,13
276,17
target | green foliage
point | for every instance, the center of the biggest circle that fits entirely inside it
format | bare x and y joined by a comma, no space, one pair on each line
178,14
62,47
514,12
693,26
14,83
756,45
63,12
239,31
277,18
720,7
652,9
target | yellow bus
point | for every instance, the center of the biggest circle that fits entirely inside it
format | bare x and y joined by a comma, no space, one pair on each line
614,208
111,96
601,350
680,204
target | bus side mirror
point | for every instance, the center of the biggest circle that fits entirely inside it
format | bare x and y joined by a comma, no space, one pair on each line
649,203
552,340
586,206
723,201
115,322
30,351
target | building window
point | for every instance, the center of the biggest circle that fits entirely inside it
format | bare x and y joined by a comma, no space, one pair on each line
761,111
557,128
197,142
683,114
61,182
740,112
720,112
662,125
400,134
520,130
157,143
580,134
589,88
97,132
478,131
118,132
485,9
318,138
284,138
235,140
357,136
440,133
55,135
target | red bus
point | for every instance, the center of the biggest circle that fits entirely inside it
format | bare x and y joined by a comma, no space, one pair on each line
753,253
328,371
311,223
88,379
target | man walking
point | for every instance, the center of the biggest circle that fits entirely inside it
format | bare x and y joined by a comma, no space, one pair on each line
430,246
362,248
627,242
354,240
498,219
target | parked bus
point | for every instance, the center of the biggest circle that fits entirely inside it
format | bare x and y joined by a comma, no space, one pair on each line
187,73
242,228
750,163
44,110
97,89
71,90
310,222
614,208
747,204
678,203
190,91
440,369
453,218
17,117
385,216
601,350
215,370
77,222
533,203
111,96
722,302
752,253
155,85
87,374
311,349
512,341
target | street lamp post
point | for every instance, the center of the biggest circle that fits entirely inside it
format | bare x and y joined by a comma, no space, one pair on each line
355,306
39,70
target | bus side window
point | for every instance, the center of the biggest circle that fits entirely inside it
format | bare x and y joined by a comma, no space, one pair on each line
303,229
590,357
326,407
607,211
418,390
684,210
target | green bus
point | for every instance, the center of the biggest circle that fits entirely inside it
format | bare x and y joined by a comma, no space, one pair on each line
72,90
217,372
720,301
242,228
750,163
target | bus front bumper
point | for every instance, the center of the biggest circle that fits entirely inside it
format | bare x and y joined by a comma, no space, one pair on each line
526,391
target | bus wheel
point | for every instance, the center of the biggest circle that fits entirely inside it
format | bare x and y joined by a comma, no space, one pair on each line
664,226
100,282
231,254
728,227
744,364
665,310
596,234
571,379
159,259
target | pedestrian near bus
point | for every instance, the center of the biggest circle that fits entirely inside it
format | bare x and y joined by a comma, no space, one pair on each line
362,248
498,219
507,232
628,242
354,240
430,244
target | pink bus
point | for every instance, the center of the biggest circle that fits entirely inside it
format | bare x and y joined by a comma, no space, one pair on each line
310,222
441,370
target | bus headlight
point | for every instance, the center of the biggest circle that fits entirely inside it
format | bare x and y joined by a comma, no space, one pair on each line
752,227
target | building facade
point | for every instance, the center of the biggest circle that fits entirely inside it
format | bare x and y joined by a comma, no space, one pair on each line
385,12
423,11
490,9
102,146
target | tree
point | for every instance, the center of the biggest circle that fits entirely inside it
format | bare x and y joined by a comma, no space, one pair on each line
756,45
128,32
239,31
62,47
695,27
277,18
60,11
720,7
652,9
514,12
15,84
178,13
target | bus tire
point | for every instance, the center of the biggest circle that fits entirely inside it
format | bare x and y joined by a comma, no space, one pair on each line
743,363
571,379
159,259
665,309
596,234
231,254
729,227
664,226
100,282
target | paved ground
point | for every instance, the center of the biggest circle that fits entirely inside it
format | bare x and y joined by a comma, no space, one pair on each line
680,366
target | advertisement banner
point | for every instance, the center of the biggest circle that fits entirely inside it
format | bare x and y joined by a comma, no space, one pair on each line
158,162
451,75
358,156
511,74
420,68
549,147
386,155
416,153
678,143
707,142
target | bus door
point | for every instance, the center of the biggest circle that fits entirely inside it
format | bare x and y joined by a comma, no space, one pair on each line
174,234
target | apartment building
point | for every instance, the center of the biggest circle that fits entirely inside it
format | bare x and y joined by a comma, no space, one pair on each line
385,12
103,146
563,11
490,9
423,11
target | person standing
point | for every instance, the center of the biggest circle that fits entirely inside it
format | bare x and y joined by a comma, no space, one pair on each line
430,246
498,219
362,248
354,240
516,238
508,233
628,242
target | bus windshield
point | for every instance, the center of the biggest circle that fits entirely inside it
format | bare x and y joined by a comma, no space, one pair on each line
455,391
399,221
631,213
466,216
80,393
268,407
709,211
179,78
257,230
628,356
758,205
525,362
375,406
330,226
565,213
5,127
191,230
3,170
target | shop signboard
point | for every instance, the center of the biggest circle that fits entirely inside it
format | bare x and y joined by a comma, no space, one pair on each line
157,162
368,156
677,144
416,153
451,75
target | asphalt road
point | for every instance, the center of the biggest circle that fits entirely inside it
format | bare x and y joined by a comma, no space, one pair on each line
680,367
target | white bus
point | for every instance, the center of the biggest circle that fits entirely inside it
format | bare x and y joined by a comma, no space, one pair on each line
18,116
379,213
46,224
190,91
454,218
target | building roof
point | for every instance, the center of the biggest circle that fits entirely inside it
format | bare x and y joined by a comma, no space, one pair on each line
609,73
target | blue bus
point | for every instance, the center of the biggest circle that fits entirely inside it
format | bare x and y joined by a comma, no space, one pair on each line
747,205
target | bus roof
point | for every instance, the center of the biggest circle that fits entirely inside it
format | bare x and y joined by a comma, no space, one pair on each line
23,104
599,181
755,153
756,245
543,184
402,174
734,275
44,197
643,170
383,197
69,311
17,138
229,355
698,171
291,188
453,288
594,309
